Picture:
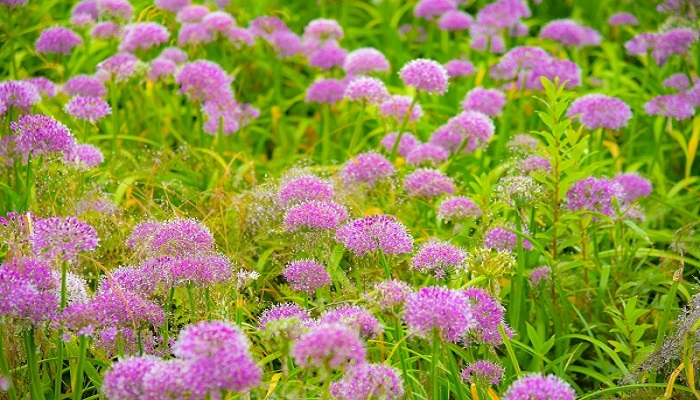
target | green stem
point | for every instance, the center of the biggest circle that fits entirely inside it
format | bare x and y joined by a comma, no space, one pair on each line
58,384
518,283
115,116
666,317
4,368
395,147
434,375
325,134
398,331
190,296
509,351
32,366
78,388
358,129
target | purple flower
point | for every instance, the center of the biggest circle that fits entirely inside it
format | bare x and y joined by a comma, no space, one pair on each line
521,59
57,40
192,13
474,127
84,85
458,67
66,238
38,134
503,239
426,75
389,295
19,94
265,25
201,270
437,257
160,68
115,9
455,20
306,276
303,189
680,8
540,275
523,143
406,144
105,30
13,3
287,43
397,106
322,29
368,381
641,43
28,291
204,80
368,168
487,101
489,315
315,215
633,185
121,66
426,182
355,317
503,13
366,90
84,157
427,153
673,41
483,371
677,106
218,354
599,111
219,21
194,34
458,208
172,5
125,379
43,85
5,383
483,35
678,81
567,71
441,311
287,319
87,108
377,232
594,194
430,9
176,55
143,35
240,36
328,55
622,18
325,91
538,387
534,164
329,345
176,237
569,33
365,61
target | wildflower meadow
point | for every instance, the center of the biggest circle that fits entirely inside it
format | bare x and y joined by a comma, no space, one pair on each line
349,199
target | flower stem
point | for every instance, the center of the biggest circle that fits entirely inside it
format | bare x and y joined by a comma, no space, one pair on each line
4,368
395,147
32,366
325,134
434,375
358,129
78,388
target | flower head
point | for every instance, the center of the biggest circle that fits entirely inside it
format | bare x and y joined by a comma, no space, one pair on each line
306,276
599,111
397,106
437,257
539,387
355,317
438,310
502,239
487,101
623,18
377,232
331,345
456,68
84,85
303,189
406,143
368,168
325,91
427,153
143,35
365,61
455,20
426,182
594,194
57,40
426,75
286,320
87,108
540,275
84,157
483,371
315,215
489,315
389,295
38,134
458,208
368,381
19,94
677,106
366,90
569,33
